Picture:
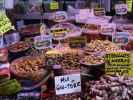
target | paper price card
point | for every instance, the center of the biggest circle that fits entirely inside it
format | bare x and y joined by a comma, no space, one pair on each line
43,42
54,5
108,29
77,42
117,63
99,11
121,9
58,33
60,16
121,38
67,84
83,15
129,4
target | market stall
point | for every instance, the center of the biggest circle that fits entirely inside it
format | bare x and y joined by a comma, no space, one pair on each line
78,54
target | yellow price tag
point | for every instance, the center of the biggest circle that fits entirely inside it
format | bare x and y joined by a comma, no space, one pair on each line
129,4
118,63
54,5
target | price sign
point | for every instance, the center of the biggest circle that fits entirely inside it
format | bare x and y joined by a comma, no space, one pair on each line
121,9
121,38
108,29
129,4
54,5
77,42
12,38
99,11
43,42
117,63
90,28
67,84
60,16
84,14
59,33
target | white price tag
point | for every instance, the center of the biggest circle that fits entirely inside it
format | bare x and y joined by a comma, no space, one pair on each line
99,12
108,29
121,9
67,84
60,16
84,14
43,42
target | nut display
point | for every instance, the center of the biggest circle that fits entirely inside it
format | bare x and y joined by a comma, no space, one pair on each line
110,88
18,47
76,96
30,29
29,65
70,61
92,60
101,46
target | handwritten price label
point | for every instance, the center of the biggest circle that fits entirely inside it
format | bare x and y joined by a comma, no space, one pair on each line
67,84
121,9
43,42
58,33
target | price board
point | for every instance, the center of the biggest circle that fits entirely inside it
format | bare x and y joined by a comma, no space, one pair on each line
99,11
117,63
121,9
121,38
108,29
43,42
58,33
77,42
54,5
60,16
67,84
83,15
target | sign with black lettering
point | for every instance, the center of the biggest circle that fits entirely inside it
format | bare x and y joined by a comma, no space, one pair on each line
121,9
77,42
108,29
99,11
67,84
58,33
43,42
117,63
60,16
